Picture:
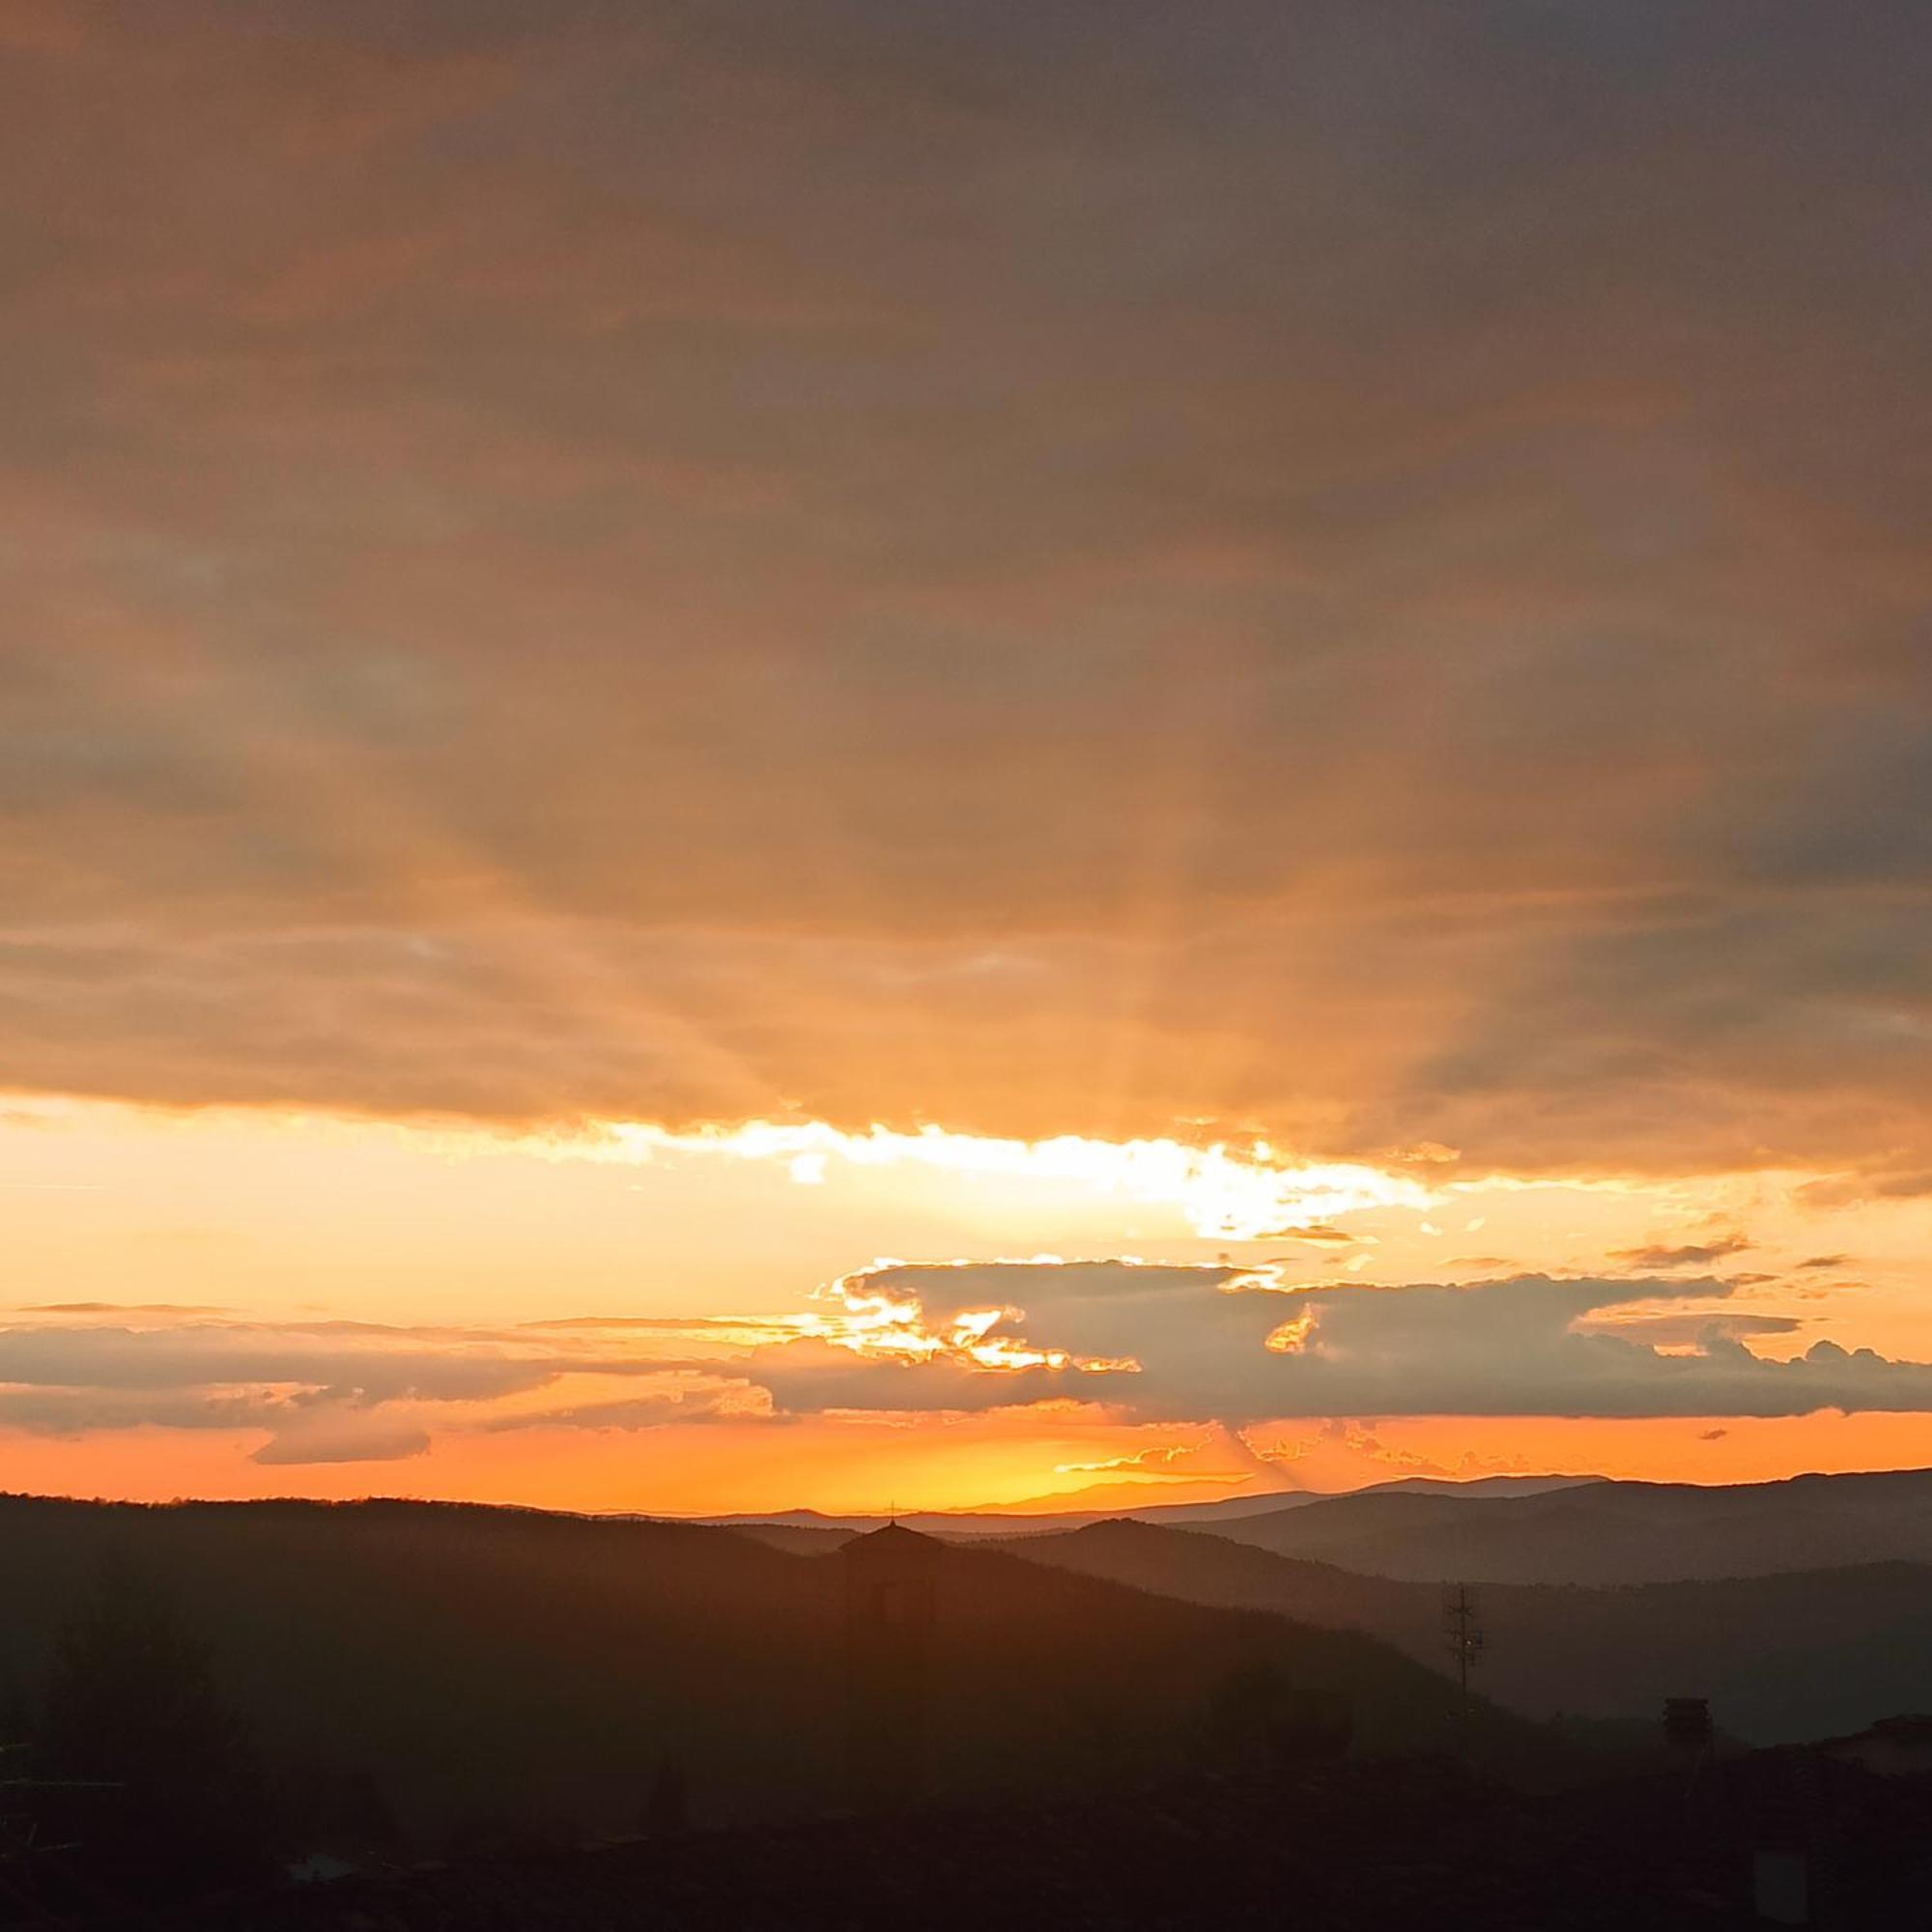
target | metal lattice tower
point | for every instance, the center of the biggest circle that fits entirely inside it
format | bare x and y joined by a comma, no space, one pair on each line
1466,1638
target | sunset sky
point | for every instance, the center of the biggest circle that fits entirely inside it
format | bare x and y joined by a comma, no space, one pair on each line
766,755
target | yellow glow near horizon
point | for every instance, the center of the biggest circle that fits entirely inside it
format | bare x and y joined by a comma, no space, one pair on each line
1223,1192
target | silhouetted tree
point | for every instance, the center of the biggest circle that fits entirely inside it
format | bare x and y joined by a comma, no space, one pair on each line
162,1789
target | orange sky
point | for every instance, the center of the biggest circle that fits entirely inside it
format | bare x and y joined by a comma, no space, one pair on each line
676,682
612,1319
942,1464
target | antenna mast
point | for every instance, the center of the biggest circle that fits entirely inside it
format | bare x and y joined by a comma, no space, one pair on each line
1466,1638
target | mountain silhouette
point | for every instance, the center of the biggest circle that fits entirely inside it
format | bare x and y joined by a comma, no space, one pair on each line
1782,1658
1609,1532
510,1672
1107,1502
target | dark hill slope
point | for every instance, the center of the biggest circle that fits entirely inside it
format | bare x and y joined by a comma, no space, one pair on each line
1610,1532
1383,1848
498,1662
1782,1658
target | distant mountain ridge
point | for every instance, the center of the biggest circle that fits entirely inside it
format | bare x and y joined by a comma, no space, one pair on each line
1510,1529
1020,1523
1781,1657
1610,1532
1800,1607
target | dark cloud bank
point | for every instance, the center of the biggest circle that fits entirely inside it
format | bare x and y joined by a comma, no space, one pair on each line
1353,571
1523,1346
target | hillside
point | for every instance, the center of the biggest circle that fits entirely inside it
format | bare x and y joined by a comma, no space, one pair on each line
1782,1658
1383,1848
1609,1532
500,1663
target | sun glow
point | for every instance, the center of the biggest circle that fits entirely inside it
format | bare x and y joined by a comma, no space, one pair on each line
1223,1192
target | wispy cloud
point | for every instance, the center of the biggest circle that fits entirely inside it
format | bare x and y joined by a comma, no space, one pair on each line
324,1391
1658,1257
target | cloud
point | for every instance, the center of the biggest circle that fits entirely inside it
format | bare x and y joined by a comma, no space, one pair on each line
820,1378
375,1363
677,1397
1337,1448
344,1437
1854,1190
1694,1330
1156,1463
338,1391
303,1426
537,598
1655,1260
1211,1343
75,1411
1164,1343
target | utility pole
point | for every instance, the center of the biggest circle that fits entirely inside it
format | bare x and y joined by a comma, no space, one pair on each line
1466,1642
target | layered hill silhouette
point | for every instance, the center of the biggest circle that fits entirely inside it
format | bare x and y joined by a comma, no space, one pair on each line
1802,1609
1782,1658
1609,1532
518,1669
816,1529
503,1672
1539,1529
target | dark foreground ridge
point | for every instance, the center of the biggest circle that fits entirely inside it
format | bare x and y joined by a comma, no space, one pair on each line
1404,1845
481,1678
219,1706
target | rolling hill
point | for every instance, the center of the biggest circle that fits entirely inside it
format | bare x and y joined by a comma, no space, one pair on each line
1782,1658
1609,1532
802,1528
495,1663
